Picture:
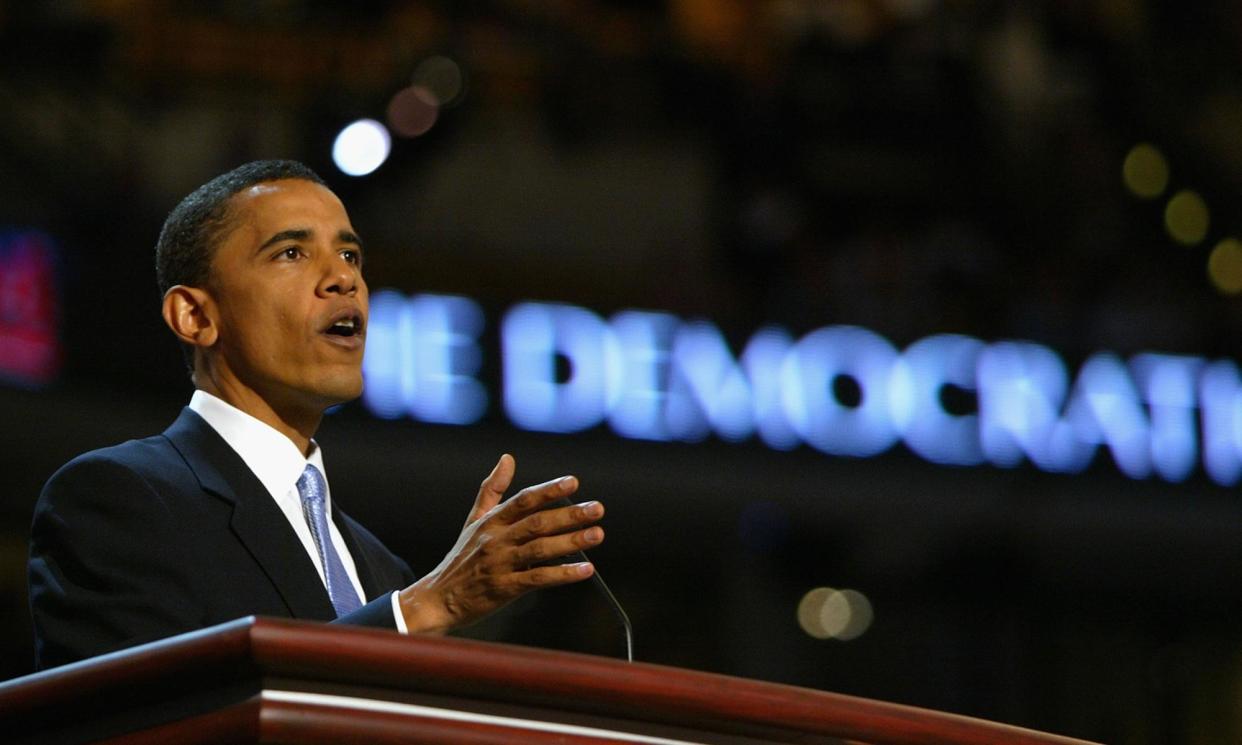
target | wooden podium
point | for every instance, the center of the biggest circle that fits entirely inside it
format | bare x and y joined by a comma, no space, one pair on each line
260,680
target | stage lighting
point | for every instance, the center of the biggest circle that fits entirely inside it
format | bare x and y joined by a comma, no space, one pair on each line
442,78
1145,171
1186,218
361,147
412,111
826,613
1225,266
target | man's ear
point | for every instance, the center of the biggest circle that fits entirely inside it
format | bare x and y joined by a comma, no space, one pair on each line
189,313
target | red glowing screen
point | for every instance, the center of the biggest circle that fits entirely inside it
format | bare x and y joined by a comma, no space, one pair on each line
30,349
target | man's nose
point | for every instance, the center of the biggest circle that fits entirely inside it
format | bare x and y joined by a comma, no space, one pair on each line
339,278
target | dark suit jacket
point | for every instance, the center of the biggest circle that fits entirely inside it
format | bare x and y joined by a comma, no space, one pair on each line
172,533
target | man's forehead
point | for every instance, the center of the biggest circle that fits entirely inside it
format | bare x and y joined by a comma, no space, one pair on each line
264,205
266,187
287,192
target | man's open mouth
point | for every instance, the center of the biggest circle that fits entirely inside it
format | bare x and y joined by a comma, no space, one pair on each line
348,325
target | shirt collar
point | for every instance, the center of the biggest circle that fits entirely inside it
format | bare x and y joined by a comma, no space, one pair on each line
270,455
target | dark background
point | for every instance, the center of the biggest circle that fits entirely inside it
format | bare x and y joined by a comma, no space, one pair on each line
911,166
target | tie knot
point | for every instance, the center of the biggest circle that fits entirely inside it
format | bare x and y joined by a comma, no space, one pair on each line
311,486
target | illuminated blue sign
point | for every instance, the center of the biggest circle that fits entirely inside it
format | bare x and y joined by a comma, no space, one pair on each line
843,390
422,357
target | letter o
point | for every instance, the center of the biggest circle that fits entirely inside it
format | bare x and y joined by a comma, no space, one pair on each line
807,378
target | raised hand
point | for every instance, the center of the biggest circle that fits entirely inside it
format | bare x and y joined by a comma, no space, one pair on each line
498,556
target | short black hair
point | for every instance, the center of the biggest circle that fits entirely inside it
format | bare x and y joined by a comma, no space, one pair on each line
190,233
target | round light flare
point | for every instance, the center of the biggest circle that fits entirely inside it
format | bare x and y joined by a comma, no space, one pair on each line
1145,171
442,78
1186,218
827,613
1225,266
412,111
361,147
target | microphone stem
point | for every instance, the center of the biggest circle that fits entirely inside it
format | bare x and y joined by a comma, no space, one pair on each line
616,608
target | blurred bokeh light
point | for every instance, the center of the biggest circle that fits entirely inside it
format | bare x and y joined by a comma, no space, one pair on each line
827,613
412,111
1225,266
1186,218
361,147
442,78
1145,171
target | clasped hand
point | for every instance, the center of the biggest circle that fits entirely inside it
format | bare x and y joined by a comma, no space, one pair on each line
500,553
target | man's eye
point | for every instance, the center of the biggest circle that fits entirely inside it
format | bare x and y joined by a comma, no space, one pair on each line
352,256
289,253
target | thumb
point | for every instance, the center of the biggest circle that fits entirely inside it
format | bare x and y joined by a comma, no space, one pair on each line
493,488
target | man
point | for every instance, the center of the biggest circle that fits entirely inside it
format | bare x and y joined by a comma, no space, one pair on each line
228,512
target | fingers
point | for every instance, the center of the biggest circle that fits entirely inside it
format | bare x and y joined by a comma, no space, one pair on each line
501,553
558,520
534,498
554,547
540,577
493,488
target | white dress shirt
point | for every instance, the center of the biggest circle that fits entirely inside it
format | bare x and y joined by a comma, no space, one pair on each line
278,464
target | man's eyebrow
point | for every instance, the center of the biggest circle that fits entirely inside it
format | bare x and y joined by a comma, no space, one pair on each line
293,234
301,234
348,236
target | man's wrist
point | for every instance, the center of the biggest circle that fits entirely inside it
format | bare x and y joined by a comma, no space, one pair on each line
421,612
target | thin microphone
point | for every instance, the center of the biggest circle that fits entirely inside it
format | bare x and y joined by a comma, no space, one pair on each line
616,608
607,593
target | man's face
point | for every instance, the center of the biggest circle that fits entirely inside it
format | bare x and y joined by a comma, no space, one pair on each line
289,299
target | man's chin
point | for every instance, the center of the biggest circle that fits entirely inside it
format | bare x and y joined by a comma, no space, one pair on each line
337,392
345,397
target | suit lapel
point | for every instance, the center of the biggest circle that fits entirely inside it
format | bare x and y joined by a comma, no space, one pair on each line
257,522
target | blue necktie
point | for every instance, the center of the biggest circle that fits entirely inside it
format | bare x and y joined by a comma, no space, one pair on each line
311,487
